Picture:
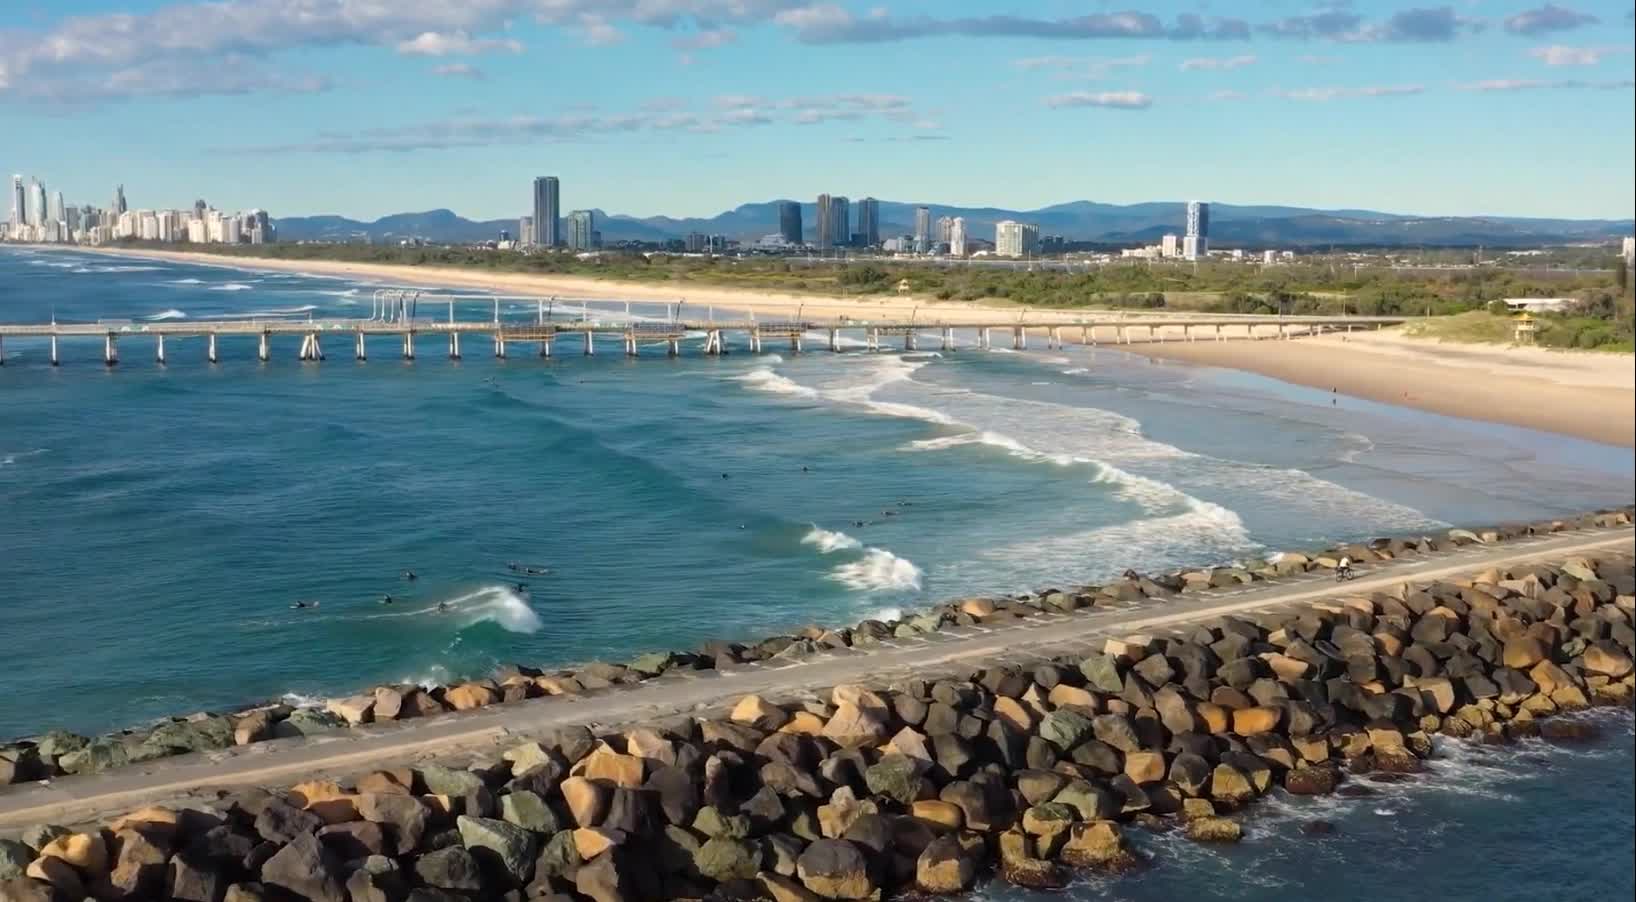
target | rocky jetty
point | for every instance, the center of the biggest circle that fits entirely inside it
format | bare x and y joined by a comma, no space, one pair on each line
917,787
60,753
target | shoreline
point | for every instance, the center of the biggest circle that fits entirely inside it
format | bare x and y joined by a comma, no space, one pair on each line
912,779
1587,395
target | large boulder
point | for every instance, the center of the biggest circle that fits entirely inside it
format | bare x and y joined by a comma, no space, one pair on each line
723,859
835,869
450,868
405,815
506,844
852,726
1097,844
305,869
947,865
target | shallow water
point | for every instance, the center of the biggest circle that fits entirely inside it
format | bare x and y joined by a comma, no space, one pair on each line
159,522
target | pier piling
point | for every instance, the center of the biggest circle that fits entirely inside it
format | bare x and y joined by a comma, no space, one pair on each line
499,345
590,343
262,351
210,349
358,352
159,349
110,350
55,361
835,340
409,345
545,347
454,345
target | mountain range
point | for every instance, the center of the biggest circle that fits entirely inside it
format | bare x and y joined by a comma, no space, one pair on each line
1084,221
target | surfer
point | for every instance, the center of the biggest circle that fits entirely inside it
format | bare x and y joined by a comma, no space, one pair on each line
409,575
300,605
386,599
443,607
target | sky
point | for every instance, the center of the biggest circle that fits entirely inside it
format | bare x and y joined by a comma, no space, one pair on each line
690,107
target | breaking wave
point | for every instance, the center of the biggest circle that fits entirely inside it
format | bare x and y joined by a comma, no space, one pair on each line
172,313
878,570
829,541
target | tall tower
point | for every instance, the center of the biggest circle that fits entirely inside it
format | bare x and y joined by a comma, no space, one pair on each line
957,236
840,221
923,229
119,200
547,212
19,201
868,222
36,203
789,221
57,211
1196,243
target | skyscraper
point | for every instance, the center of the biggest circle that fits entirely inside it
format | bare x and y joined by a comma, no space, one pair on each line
923,229
1016,239
868,232
56,212
36,202
525,231
19,202
119,200
840,221
957,236
1196,243
547,212
582,230
825,238
945,226
789,221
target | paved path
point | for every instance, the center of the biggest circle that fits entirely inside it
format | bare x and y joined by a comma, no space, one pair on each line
953,650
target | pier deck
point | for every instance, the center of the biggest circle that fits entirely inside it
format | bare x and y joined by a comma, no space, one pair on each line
197,778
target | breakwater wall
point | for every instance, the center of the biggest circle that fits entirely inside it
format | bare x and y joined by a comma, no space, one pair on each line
60,753
924,785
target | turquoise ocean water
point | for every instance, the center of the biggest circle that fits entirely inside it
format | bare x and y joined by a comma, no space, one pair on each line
157,523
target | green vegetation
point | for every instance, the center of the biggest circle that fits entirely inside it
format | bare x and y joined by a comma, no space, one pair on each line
1586,328
1336,285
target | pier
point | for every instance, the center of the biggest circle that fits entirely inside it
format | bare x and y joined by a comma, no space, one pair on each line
396,319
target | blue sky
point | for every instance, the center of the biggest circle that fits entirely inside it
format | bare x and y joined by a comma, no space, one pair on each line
689,107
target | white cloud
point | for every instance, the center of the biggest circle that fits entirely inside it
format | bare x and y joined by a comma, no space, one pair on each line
1326,94
1215,63
455,43
1559,55
1119,100
458,70
1535,84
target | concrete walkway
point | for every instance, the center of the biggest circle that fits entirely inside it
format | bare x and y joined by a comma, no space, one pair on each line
453,738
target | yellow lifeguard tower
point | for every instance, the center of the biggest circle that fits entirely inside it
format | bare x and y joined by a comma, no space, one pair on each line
1525,330
903,286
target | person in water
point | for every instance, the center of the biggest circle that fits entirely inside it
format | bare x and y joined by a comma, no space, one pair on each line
386,599
409,575
443,607
304,604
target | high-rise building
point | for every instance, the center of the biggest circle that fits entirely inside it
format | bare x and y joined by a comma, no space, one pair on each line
868,230
957,236
825,238
1198,230
547,212
945,229
1016,239
923,229
1627,249
1169,246
582,230
840,221
789,221
525,231
56,212
19,202
36,203
119,200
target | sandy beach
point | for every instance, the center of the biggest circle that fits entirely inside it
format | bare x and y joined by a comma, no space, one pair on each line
1583,394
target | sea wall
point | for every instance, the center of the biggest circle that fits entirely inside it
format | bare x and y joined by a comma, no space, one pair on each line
61,753
919,786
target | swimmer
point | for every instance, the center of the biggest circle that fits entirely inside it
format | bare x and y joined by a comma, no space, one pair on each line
741,526
805,470
387,599
724,475
304,604
409,575
443,607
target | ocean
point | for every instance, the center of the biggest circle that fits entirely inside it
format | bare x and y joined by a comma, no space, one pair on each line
157,524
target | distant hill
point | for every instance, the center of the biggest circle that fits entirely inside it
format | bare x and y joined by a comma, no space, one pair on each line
1250,226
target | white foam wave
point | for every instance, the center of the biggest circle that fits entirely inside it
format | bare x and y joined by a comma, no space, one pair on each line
1075,371
1357,446
764,379
11,459
172,313
349,293
886,614
829,540
287,311
434,676
301,700
490,604
232,286
878,570
186,281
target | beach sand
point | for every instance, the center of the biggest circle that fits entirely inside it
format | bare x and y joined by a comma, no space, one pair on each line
1585,394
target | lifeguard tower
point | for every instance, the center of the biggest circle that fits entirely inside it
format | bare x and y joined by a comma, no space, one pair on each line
903,286
1524,330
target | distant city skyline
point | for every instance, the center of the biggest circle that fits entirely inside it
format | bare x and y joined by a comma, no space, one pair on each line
361,110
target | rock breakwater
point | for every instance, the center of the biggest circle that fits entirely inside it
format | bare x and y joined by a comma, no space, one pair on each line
922,785
60,753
